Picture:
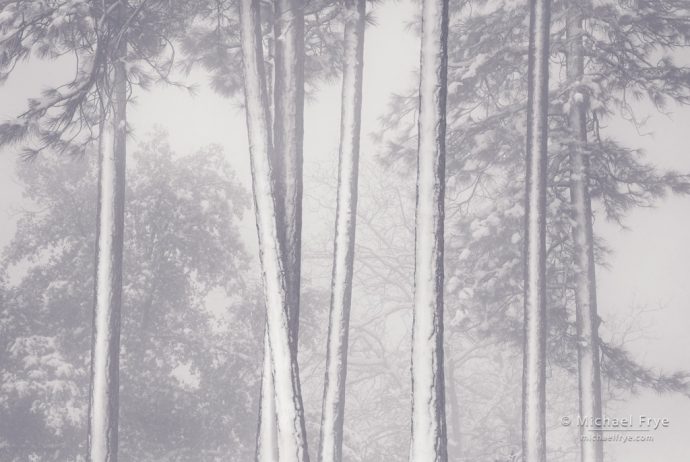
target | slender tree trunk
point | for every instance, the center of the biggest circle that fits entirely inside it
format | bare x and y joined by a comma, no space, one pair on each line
534,367
288,136
286,163
267,428
589,370
267,433
428,442
333,410
102,437
292,439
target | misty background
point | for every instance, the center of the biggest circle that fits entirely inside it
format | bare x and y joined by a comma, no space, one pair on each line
644,286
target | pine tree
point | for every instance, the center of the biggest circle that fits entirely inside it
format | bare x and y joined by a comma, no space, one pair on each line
288,133
428,441
292,441
534,362
333,410
288,121
212,42
66,117
102,436
96,33
587,319
629,55
298,44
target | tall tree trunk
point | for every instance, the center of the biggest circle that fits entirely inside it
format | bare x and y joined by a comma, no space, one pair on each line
428,443
333,410
292,439
267,433
534,363
267,427
102,437
288,136
589,370
286,163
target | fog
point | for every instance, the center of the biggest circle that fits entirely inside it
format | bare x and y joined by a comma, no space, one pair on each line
642,288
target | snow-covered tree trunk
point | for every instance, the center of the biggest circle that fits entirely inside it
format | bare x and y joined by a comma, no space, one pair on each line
428,443
286,163
267,433
333,410
589,370
102,436
288,123
292,441
534,366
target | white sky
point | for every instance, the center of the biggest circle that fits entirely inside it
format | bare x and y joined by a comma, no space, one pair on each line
650,266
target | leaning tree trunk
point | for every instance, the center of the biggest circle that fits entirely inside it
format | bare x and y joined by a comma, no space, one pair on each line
286,163
267,433
589,370
288,137
534,362
333,411
292,440
428,443
102,436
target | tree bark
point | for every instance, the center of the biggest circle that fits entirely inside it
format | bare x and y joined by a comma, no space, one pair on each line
292,441
333,410
286,163
428,442
102,436
267,433
534,362
288,138
589,370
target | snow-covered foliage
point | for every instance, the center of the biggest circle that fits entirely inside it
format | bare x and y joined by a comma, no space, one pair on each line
83,33
189,326
632,55
213,42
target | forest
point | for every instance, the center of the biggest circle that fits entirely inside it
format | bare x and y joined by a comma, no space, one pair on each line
344,230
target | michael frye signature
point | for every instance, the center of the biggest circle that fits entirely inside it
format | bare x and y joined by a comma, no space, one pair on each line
627,423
